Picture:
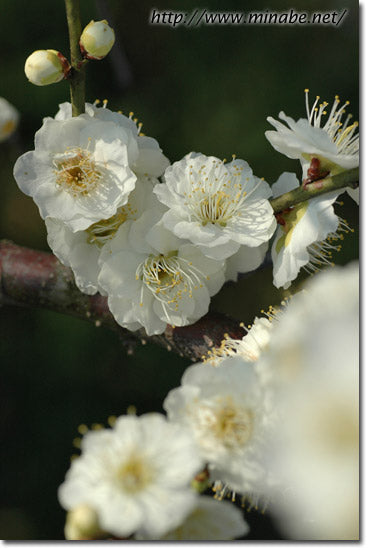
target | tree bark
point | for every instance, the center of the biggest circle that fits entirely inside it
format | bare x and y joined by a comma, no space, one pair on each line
37,279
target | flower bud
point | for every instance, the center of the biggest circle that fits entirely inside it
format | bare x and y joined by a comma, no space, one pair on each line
45,67
9,117
96,40
82,524
201,482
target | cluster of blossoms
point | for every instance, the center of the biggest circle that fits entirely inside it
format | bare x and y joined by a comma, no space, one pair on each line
273,417
159,251
158,239
307,234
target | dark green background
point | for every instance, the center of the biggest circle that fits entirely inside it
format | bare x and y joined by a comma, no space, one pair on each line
208,89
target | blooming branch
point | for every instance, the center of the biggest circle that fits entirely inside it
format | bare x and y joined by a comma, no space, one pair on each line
33,278
348,178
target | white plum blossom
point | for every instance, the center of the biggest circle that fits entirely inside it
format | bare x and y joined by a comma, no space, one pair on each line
209,520
136,476
79,171
152,278
313,359
250,347
150,161
81,250
226,409
9,118
223,209
329,140
334,143
306,234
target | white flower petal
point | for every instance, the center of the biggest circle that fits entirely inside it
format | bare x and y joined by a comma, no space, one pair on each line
246,259
216,206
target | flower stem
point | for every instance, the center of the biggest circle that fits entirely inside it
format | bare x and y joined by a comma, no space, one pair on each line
77,76
349,178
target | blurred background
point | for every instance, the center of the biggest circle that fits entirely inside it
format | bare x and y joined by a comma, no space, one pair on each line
206,89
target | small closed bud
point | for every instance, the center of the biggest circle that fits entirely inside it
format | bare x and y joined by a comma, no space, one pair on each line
9,117
45,67
201,482
82,524
96,40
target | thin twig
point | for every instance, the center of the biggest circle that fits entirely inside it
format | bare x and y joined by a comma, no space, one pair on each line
77,75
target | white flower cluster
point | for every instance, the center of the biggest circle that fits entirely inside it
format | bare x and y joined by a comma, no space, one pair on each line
159,249
307,234
135,480
313,366
274,418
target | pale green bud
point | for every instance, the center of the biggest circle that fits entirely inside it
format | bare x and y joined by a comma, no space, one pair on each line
45,67
97,39
82,524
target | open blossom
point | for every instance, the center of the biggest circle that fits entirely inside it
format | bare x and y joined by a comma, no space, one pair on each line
314,356
209,520
249,348
333,142
152,278
150,160
79,172
9,117
136,476
223,209
306,234
330,139
81,250
225,408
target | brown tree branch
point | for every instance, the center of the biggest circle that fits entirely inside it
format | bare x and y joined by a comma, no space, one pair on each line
32,278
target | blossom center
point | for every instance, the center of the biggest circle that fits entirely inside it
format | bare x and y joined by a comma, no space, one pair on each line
230,423
215,196
134,474
169,277
215,209
76,171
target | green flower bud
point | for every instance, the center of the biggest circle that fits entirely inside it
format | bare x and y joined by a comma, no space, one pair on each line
201,482
96,40
45,67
